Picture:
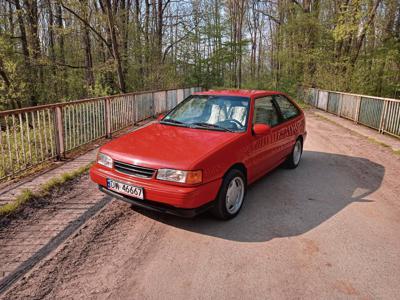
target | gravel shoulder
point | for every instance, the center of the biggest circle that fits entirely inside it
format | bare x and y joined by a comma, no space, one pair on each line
329,229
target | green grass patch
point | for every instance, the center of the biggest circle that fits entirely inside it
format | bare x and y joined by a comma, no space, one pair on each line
44,190
21,199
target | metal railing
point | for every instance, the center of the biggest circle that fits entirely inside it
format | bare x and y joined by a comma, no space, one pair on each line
382,114
33,135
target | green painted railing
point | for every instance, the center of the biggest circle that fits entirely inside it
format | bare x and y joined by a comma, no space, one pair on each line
382,114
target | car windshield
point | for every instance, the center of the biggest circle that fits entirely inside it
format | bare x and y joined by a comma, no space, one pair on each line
225,113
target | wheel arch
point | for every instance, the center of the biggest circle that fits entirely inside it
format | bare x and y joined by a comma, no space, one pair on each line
238,166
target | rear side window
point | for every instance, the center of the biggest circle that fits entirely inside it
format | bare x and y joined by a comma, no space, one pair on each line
265,112
288,109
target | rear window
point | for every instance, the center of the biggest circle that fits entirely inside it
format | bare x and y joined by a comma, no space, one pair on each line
288,109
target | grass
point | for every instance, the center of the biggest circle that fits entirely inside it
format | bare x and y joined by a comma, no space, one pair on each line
21,199
44,190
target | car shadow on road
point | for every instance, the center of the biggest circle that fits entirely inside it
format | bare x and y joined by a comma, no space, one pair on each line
287,203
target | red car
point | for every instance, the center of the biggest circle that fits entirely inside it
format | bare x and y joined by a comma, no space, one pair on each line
203,153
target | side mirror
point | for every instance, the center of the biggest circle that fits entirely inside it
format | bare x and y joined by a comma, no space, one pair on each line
160,116
261,129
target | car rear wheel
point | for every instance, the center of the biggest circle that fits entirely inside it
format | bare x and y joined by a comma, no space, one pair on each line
231,195
294,158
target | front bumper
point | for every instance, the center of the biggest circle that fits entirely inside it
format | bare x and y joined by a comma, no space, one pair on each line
159,207
177,196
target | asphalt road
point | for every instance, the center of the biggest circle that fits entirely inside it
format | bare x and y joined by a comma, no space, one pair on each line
329,229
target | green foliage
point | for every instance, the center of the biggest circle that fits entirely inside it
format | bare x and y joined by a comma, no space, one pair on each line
202,44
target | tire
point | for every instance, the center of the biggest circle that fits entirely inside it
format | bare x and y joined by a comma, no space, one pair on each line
228,206
293,160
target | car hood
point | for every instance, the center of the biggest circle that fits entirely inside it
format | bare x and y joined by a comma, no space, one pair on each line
165,146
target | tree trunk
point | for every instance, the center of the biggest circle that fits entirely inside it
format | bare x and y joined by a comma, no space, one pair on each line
115,47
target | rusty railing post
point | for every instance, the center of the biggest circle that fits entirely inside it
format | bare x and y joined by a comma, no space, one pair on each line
107,117
59,133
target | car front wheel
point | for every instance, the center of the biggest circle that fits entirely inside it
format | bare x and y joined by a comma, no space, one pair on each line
231,195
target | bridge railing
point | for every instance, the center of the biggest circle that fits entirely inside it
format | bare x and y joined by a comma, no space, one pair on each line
382,114
33,135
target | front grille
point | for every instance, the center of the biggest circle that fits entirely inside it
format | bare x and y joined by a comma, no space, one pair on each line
133,170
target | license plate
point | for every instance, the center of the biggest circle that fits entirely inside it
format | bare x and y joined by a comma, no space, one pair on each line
124,188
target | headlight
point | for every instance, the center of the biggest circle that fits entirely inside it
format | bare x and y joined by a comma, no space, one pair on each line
190,177
104,160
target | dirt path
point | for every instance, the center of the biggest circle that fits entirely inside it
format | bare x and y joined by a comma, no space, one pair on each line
329,229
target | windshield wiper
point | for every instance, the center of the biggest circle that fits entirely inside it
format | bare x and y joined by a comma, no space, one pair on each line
208,125
173,122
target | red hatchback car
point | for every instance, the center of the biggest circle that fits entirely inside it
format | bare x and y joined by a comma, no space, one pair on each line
203,153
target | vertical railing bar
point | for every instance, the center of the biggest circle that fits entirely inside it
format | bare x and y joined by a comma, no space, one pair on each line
78,125
389,128
94,107
83,124
35,141
86,123
10,158
397,132
98,105
44,133
51,132
126,111
74,127
81,128
15,141
29,136
92,124
60,131
98,114
110,114
70,132
114,115
21,125
89,121
119,113
396,118
94,117
3,159
107,117
40,135
64,111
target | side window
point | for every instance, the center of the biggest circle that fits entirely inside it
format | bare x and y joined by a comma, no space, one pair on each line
265,112
288,109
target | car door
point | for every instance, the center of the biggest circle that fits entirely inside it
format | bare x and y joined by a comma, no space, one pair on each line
288,129
265,148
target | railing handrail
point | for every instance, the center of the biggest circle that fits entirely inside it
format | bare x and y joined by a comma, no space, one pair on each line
85,100
32,135
357,95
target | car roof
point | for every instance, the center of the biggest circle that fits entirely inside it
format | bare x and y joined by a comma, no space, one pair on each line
239,92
